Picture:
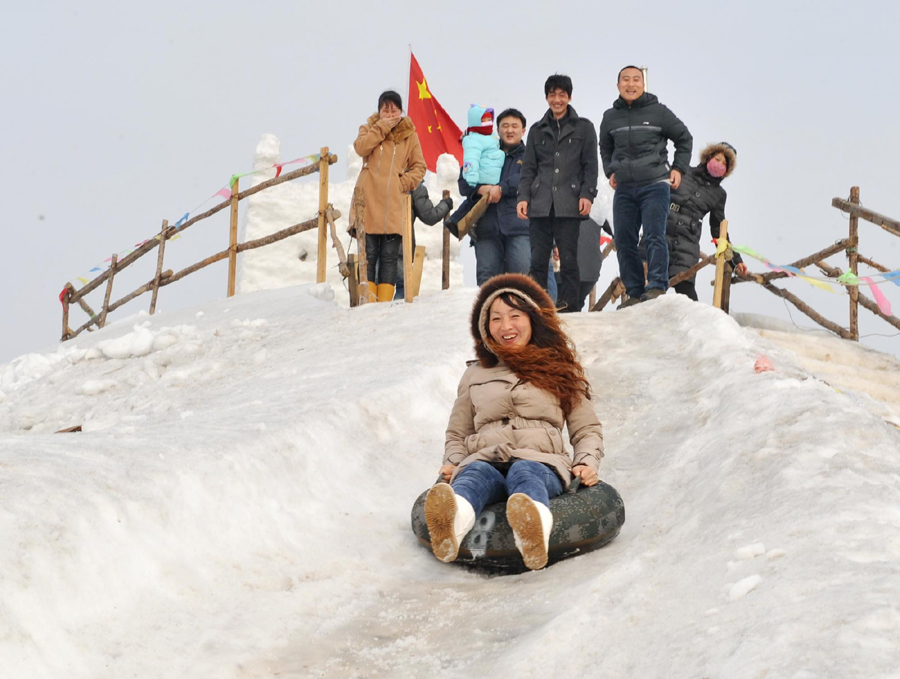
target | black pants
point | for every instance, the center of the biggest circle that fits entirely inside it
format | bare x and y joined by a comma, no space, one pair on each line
687,288
382,253
564,230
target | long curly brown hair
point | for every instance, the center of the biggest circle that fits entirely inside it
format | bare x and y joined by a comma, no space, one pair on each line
548,361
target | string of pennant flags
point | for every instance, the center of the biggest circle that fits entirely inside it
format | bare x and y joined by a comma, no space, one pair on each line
225,193
846,279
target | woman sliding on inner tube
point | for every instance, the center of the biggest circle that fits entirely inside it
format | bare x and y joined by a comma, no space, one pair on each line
504,438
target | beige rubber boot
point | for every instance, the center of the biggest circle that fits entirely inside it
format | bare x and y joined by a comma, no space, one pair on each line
449,517
531,523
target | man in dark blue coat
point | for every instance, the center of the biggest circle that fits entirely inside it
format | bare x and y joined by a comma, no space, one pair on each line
558,187
500,238
633,138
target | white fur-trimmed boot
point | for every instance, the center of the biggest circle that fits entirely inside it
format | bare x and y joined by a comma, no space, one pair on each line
449,517
531,522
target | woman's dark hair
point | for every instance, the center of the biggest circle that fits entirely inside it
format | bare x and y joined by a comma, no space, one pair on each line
558,82
511,113
548,361
390,97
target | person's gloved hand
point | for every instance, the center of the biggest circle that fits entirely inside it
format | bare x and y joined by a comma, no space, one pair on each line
449,202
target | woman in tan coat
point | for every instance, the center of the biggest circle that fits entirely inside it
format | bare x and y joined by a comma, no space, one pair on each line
393,165
504,439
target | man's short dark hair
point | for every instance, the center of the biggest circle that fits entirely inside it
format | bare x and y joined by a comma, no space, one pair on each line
558,82
619,77
389,96
511,113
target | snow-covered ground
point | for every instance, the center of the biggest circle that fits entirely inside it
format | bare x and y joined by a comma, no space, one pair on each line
238,503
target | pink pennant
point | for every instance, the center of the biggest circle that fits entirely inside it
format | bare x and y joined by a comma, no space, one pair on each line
225,193
880,299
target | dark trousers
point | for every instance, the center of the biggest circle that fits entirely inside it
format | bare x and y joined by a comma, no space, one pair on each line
382,254
687,288
564,230
633,207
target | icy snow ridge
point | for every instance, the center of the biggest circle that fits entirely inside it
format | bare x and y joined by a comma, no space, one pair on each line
238,503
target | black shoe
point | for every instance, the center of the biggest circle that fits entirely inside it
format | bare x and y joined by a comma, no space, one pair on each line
652,293
631,301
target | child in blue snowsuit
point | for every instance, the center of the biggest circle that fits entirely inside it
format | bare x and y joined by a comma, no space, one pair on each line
482,158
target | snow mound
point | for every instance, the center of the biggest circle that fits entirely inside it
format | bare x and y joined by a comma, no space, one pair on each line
237,503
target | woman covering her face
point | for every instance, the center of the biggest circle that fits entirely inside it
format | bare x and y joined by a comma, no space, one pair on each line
504,439
393,165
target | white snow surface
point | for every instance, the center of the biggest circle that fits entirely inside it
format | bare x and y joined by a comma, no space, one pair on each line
237,504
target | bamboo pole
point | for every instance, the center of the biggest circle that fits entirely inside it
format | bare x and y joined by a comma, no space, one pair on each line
331,214
718,293
445,252
705,260
65,318
159,265
873,264
322,255
87,308
109,283
809,311
592,299
308,225
358,223
726,288
140,291
855,210
417,267
606,296
353,281
852,253
233,238
842,244
873,307
407,249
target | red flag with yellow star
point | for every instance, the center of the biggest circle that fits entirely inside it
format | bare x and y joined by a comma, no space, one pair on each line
437,132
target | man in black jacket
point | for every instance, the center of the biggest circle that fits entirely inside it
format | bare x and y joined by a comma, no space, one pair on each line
558,187
633,138
500,237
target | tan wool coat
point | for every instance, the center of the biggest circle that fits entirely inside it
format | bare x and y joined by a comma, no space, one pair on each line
393,165
498,418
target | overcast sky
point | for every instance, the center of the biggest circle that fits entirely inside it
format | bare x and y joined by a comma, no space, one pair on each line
117,115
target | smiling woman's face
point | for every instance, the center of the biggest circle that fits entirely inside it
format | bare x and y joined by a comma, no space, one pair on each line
510,327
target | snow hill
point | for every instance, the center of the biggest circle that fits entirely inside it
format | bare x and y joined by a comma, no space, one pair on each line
237,504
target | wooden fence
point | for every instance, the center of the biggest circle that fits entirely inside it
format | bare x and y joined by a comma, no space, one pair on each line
325,218
850,246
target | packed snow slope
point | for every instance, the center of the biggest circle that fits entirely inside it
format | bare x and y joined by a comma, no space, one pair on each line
237,504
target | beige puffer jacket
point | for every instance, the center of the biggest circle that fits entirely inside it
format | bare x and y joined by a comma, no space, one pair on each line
498,418
393,165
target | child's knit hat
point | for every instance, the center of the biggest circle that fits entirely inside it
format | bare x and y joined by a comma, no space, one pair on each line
481,120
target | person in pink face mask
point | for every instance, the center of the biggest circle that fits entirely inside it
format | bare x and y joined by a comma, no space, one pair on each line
699,194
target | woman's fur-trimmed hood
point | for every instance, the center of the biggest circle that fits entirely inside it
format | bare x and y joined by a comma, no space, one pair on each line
724,148
404,128
524,287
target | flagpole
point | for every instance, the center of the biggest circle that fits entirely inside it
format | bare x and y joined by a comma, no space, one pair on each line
408,74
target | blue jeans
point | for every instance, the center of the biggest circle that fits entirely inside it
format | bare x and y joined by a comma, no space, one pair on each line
552,287
483,484
501,254
632,207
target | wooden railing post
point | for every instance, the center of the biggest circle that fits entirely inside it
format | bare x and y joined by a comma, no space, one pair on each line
159,265
109,283
407,249
720,267
853,256
323,205
445,254
65,319
233,238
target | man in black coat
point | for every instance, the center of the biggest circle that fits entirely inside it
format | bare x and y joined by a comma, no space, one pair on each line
633,138
558,187
500,238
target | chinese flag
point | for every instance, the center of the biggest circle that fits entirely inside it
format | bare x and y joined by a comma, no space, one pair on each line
437,132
